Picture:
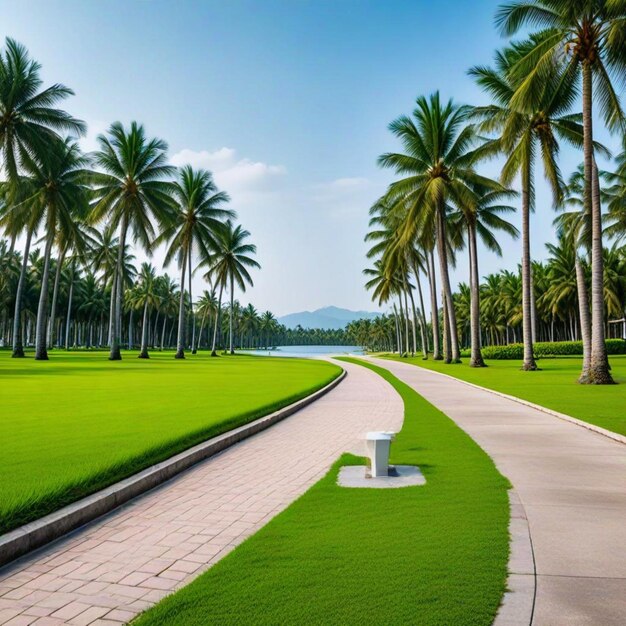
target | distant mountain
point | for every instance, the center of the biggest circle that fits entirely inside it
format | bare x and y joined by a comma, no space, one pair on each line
327,317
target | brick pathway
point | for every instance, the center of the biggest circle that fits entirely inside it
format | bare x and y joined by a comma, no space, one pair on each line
572,484
118,566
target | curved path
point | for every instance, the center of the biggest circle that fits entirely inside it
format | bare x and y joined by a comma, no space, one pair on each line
117,566
572,486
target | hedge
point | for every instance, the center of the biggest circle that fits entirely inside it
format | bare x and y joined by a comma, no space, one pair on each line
546,348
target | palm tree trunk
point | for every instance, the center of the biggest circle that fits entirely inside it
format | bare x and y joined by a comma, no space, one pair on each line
115,353
144,333
413,322
434,307
69,308
447,358
583,313
398,339
111,311
180,342
598,365
41,352
476,357
423,326
18,348
406,321
455,355
401,349
191,313
230,320
55,295
217,320
529,360
533,307
163,332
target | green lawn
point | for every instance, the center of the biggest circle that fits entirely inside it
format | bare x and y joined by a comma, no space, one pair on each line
554,386
430,555
79,422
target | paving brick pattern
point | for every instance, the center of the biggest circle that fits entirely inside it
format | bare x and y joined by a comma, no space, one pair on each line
571,483
115,567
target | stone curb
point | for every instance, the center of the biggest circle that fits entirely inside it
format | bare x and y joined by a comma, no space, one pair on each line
42,531
518,603
568,418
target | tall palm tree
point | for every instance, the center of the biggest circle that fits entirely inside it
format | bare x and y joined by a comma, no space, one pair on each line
194,229
206,307
76,241
168,297
131,190
228,264
384,286
586,37
57,193
480,220
438,163
29,121
522,133
146,297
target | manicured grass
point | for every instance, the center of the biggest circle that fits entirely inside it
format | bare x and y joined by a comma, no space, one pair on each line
554,386
430,555
79,422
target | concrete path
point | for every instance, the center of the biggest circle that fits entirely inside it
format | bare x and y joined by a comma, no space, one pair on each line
572,485
114,568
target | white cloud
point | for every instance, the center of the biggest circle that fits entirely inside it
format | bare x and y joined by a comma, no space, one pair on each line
231,173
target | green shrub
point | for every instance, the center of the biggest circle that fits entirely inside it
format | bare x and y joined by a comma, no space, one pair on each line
545,349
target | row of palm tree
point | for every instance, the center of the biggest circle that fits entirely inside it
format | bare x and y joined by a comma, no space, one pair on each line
86,209
150,310
441,203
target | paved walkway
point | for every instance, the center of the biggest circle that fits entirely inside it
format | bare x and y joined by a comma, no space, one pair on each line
572,485
118,566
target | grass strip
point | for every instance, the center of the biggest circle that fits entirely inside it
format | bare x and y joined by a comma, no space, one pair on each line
553,386
79,423
430,555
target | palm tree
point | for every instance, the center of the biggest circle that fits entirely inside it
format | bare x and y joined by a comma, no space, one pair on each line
205,307
29,121
585,35
103,259
482,219
522,132
385,286
249,323
438,164
146,297
195,228
228,264
56,194
267,325
92,304
77,239
130,192
167,299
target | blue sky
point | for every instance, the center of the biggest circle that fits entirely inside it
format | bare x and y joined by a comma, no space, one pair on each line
287,101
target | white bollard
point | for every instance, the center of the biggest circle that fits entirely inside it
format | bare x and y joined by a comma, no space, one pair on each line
378,444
